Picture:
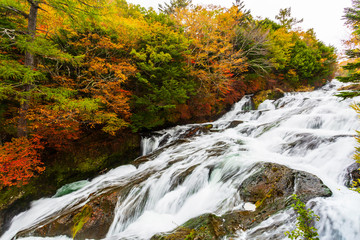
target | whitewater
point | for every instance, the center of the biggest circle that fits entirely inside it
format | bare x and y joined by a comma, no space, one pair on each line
308,131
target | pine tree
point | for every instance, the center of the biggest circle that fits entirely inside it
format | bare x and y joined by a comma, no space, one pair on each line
285,19
170,8
352,17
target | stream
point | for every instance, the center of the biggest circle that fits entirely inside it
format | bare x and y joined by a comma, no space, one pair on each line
197,168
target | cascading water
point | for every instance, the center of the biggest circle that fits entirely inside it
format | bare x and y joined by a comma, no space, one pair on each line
312,132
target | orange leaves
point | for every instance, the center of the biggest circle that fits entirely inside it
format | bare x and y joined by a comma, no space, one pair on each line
98,66
102,77
213,58
114,97
94,41
19,161
119,68
56,128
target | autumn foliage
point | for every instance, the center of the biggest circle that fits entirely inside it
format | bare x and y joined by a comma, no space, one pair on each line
110,66
19,161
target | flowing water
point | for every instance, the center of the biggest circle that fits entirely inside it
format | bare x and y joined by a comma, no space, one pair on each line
197,169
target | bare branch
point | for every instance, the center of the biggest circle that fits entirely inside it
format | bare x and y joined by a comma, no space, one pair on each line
86,4
13,9
8,32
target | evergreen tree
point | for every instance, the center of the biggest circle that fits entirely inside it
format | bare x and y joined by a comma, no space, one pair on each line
285,19
173,6
352,16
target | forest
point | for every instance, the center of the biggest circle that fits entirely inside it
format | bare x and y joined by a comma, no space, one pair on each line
69,69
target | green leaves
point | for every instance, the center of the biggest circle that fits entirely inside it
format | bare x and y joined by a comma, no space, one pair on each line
305,220
163,80
14,71
42,47
305,60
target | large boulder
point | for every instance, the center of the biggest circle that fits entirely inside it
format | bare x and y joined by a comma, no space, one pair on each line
269,188
91,221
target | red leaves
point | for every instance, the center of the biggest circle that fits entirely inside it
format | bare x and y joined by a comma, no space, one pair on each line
57,128
19,161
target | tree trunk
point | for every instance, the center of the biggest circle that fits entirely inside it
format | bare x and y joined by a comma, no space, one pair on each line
30,62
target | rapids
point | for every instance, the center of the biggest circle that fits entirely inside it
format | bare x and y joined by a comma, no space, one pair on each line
308,131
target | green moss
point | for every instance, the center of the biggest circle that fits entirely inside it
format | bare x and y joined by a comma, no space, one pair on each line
260,97
9,195
268,94
80,219
180,233
89,164
201,233
191,235
260,202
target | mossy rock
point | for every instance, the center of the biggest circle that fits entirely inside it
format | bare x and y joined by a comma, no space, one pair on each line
306,88
261,96
207,226
92,221
80,219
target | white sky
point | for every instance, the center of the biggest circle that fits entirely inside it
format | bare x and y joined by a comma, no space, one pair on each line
325,16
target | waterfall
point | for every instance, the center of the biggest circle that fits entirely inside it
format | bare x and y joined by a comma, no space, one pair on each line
187,175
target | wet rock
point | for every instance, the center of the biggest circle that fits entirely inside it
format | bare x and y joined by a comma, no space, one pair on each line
234,124
179,177
92,221
250,105
140,160
269,188
143,159
353,174
196,130
274,182
217,149
165,140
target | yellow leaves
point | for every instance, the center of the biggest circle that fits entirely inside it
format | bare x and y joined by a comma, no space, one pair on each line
111,121
123,70
281,44
213,58
292,72
98,65
51,22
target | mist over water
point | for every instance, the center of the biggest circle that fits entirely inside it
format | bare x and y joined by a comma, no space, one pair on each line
191,174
